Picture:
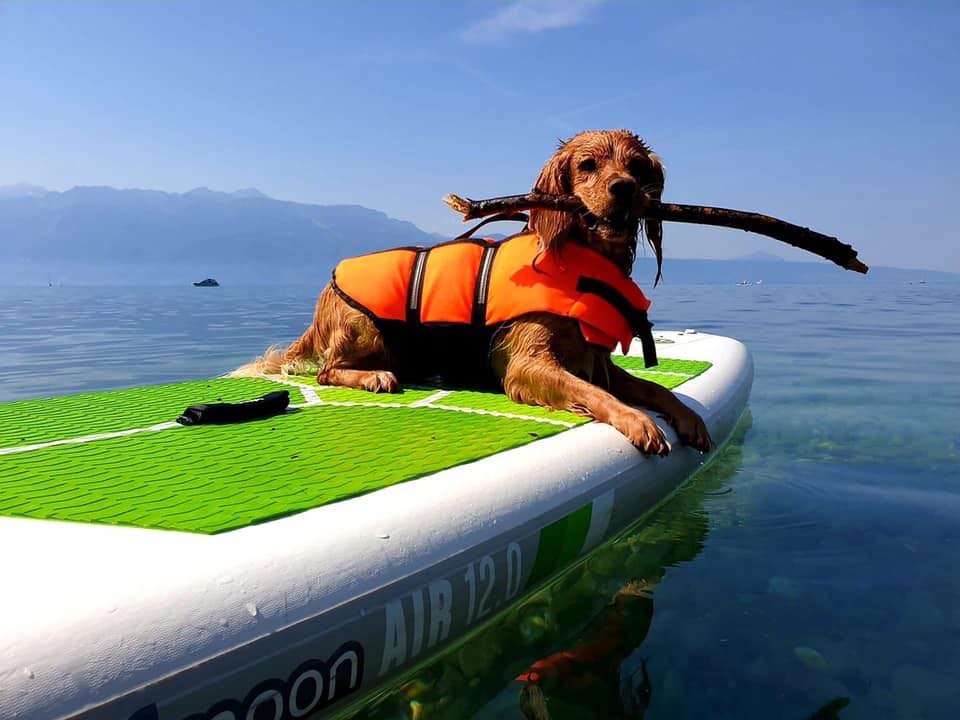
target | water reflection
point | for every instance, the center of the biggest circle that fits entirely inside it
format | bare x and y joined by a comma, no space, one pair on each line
575,648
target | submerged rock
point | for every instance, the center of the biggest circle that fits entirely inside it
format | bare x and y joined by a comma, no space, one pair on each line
478,655
608,561
416,688
830,710
585,586
534,626
810,657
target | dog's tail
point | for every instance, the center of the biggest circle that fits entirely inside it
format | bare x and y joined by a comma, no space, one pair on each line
298,358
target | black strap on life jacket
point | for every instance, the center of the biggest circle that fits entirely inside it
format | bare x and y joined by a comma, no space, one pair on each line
639,323
511,216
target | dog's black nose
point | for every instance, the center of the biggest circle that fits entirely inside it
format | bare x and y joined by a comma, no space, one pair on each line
622,188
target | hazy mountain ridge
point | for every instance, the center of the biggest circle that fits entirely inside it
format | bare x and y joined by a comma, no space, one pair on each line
89,224
97,234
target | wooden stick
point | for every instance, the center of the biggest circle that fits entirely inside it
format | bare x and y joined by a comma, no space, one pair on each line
825,246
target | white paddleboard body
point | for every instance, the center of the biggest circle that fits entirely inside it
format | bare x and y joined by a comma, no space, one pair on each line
286,618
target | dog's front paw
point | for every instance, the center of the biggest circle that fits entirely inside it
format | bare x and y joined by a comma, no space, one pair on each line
691,429
381,381
643,432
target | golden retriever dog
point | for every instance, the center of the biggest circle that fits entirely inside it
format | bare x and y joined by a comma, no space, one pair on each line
537,358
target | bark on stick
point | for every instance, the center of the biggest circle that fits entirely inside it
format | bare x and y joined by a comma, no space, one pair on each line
825,246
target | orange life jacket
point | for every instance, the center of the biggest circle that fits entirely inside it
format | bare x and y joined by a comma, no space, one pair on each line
484,283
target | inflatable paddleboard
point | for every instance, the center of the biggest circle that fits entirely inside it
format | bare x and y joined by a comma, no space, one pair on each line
283,567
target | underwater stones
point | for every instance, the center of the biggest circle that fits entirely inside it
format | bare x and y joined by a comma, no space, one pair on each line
810,657
606,562
479,654
532,620
451,681
585,585
638,564
534,626
844,656
416,688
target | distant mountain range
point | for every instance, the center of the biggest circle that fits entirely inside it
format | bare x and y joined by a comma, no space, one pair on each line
102,235
93,234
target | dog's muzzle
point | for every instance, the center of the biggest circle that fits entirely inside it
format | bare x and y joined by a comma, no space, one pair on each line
619,220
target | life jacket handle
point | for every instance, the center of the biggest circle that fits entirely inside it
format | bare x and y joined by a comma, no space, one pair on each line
511,216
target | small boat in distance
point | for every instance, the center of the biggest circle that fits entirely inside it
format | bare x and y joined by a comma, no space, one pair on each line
208,282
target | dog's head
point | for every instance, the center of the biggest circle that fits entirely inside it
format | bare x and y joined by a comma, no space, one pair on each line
616,175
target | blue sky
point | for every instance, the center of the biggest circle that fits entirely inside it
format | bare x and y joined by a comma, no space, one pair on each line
840,116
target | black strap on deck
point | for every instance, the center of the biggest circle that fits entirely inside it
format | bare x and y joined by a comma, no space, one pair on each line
273,403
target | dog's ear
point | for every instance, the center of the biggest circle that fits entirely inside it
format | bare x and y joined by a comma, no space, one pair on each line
653,229
551,226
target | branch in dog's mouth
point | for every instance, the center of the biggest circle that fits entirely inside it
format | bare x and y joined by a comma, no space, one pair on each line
825,246
594,221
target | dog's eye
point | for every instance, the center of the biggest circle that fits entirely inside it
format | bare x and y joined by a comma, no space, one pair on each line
588,165
637,166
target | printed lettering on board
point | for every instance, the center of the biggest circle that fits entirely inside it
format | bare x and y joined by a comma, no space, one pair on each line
422,619
314,685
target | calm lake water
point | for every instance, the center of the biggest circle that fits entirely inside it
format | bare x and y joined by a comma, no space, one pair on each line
814,566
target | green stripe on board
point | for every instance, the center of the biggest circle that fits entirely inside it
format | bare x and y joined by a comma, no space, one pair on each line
560,543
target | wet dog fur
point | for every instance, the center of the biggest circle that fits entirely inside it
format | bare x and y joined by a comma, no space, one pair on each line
539,358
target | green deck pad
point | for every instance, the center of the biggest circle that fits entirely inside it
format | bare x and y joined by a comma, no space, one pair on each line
498,402
210,479
26,422
407,396
465,399
668,372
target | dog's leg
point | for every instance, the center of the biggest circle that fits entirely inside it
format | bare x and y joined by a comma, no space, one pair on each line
528,361
370,380
346,364
637,391
354,354
543,381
